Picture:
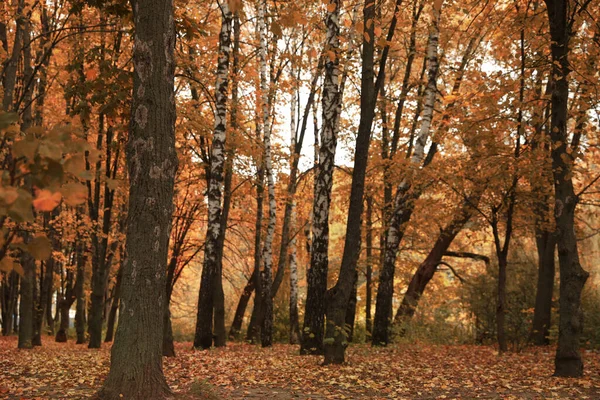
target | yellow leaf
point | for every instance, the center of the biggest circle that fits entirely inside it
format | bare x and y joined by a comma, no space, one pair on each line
331,7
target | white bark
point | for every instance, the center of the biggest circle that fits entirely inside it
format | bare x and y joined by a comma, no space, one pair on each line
267,252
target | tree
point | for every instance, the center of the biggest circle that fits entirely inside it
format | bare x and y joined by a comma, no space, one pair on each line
572,276
136,357
314,316
204,321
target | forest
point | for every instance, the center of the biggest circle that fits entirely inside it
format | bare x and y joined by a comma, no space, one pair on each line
392,199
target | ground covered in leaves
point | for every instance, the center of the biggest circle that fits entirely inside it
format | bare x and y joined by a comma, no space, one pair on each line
240,371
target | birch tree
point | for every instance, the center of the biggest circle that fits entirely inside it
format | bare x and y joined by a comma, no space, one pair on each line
204,321
267,252
314,316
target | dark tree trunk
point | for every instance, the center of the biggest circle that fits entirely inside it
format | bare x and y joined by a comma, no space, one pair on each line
501,304
568,361
238,318
64,304
542,315
26,302
10,296
136,356
80,305
168,348
253,332
339,297
168,345
369,269
112,315
351,310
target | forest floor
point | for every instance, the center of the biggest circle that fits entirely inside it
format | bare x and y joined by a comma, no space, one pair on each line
241,371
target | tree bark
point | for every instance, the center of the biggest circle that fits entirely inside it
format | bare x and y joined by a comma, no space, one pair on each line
80,304
369,269
136,356
26,302
10,294
267,251
205,317
568,362
314,316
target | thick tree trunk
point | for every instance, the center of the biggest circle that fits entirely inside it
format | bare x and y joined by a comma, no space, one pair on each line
568,361
314,316
136,356
542,315
339,296
404,199
205,317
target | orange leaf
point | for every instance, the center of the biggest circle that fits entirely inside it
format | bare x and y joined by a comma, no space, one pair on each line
46,200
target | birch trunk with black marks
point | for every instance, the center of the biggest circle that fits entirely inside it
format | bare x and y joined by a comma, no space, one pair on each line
204,322
314,316
404,200
568,362
136,357
266,275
